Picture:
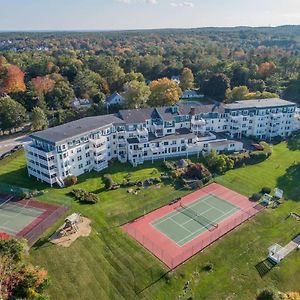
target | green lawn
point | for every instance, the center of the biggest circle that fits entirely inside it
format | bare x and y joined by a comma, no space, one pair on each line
110,265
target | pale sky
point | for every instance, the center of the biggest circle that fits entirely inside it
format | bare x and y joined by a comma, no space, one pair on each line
140,14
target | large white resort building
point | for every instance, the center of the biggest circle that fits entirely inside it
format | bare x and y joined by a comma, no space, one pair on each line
143,134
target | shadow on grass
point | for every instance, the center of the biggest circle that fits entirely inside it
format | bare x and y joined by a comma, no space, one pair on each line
290,183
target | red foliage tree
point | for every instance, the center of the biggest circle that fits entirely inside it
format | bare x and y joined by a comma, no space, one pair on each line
42,84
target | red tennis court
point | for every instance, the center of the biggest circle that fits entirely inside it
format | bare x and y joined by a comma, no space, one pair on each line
177,231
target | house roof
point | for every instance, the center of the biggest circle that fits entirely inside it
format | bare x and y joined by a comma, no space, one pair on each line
75,128
135,116
185,109
112,96
258,103
166,113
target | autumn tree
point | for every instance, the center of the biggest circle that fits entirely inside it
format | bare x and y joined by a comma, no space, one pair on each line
187,79
19,280
136,94
11,79
216,87
164,92
42,84
39,119
12,114
266,69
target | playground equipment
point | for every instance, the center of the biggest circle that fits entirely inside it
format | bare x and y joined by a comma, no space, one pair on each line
71,224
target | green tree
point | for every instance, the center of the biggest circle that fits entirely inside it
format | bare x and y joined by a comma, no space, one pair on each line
164,92
88,83
39,119
136,94
187,79
109,69
12,114
256,85
216,87
237,93
240,76
131,76
61,95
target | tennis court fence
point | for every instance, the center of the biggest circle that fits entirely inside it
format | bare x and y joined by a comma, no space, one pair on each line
172,261
35,232
17,191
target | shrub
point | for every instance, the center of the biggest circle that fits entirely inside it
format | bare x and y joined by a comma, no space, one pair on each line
168,277
197,171
70,180
255,197
266,190
84,197
208,267
268,294
169,165
108,181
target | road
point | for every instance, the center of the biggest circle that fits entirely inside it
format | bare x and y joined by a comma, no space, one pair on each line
8,143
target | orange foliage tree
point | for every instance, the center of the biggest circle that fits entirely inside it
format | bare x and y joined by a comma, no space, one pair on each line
164,92
42,84
11,79
266,69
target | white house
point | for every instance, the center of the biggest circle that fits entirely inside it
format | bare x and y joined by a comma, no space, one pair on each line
138,135
81,103
114,99
187,94
176,79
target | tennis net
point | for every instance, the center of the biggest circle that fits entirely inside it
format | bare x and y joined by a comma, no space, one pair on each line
197,217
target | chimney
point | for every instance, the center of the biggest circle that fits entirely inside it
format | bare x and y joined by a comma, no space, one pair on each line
192,111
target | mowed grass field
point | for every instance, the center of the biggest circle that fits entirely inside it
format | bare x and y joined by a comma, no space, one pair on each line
110,265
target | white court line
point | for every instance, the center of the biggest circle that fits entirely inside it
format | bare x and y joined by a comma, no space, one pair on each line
198,231
173,214
186,229
211,205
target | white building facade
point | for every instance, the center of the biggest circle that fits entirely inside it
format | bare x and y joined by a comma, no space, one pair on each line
138,135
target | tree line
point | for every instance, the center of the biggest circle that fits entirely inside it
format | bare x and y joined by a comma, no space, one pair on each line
41,73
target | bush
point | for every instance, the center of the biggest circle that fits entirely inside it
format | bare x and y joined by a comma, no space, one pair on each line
108,181
84,197
169,165
266,190
268,294
70,180
255,197
208,267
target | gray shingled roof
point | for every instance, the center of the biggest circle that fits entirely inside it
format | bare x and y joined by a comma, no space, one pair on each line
166,113
134,116
75,128
185,109
258,103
